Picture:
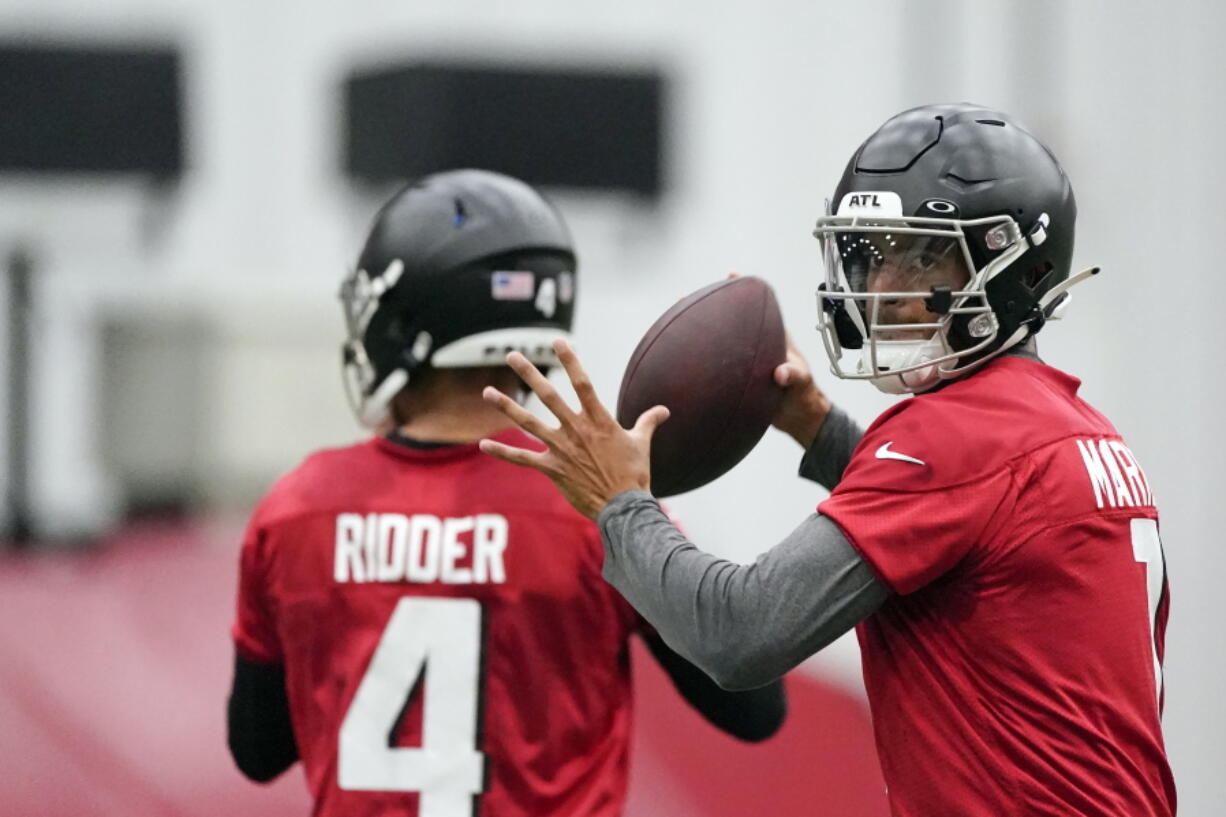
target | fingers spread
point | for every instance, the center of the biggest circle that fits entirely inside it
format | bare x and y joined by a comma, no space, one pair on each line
579,380
516,456
523,418
540,386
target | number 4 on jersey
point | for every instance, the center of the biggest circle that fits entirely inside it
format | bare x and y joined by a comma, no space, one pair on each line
441,637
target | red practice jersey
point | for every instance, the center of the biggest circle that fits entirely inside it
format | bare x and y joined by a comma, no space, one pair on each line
449,644
1017,668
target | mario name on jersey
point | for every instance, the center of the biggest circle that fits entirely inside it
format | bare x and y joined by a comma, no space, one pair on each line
394,547
1115,475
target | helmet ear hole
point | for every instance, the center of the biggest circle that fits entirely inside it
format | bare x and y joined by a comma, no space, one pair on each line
1037,276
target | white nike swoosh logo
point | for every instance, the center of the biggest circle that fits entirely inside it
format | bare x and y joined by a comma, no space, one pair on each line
884,453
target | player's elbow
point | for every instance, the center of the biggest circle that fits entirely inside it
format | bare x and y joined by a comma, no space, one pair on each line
761,713
727,660
741,679
255,765
259,752
759,731
738,670
260,774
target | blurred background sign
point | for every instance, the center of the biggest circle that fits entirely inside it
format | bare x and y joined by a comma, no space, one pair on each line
72,109
557,126
90,109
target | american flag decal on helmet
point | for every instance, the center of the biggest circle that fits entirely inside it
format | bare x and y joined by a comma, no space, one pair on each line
512,286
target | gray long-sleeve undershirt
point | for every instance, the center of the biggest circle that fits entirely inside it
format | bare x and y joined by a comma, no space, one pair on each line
745,625
828,456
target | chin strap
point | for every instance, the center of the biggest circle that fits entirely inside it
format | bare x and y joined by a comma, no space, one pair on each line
1059,291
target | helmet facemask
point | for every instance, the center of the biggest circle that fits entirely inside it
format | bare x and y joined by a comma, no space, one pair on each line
360,296
906,295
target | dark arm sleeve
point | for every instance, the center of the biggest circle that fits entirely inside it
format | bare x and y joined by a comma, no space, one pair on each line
826,460
258,726
744,625
753,715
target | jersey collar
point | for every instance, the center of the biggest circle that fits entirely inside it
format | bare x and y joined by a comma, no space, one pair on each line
430,451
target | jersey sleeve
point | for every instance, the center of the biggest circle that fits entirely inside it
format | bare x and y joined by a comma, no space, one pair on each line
914,519
254,630
630,620
639,624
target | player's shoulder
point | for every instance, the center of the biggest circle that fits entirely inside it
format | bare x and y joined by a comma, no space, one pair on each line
383,471
980,424
318,480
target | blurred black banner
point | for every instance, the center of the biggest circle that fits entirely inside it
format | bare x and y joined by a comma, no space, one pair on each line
70,109
553,126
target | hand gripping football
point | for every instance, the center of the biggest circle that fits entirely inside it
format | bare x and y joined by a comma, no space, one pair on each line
710,359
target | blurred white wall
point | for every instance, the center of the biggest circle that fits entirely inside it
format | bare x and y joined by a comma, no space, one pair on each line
769,100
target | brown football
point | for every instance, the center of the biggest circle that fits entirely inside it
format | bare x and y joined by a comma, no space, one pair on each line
710,359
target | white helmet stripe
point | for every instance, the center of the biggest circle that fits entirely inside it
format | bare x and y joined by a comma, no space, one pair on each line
491,348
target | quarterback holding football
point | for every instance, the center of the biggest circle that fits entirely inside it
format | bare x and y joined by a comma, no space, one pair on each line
992,539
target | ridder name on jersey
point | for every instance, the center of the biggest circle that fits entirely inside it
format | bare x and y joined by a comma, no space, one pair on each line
393,547
1115,475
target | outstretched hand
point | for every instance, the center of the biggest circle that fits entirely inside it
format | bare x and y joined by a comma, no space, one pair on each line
589,456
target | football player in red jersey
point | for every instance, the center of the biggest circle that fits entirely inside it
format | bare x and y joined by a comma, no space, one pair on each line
424,626
992,539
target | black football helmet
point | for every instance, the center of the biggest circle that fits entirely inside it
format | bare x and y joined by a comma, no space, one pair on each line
459,268
956,209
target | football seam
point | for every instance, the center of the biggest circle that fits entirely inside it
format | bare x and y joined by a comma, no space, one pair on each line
740,400
641,355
